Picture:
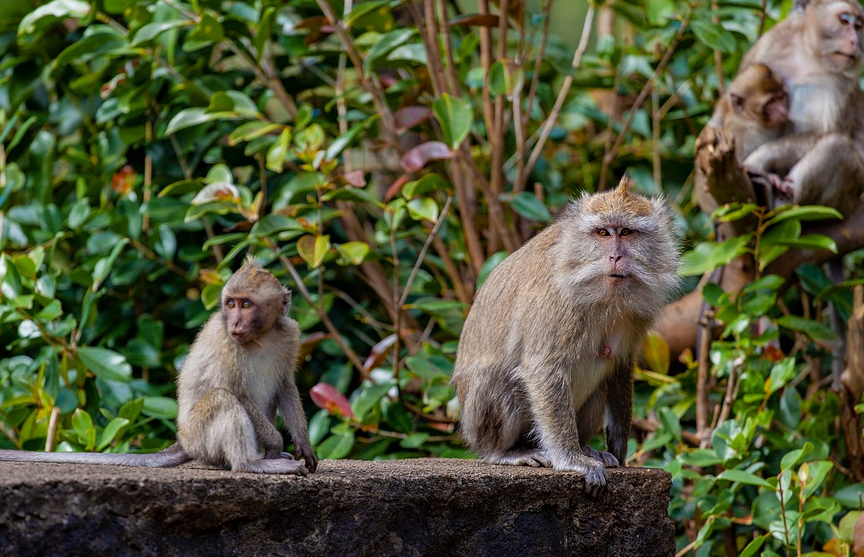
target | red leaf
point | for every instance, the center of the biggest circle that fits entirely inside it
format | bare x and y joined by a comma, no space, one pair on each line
419,156
355,178
325,396
410,116
122,181
396,187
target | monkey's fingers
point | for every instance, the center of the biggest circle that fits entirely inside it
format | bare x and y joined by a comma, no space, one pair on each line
608,459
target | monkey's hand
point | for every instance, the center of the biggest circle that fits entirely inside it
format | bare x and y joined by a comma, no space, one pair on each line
304,451
608,460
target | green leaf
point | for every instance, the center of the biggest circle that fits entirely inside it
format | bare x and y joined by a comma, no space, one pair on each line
209,31
751,548
811,241
50,312
527,205
420,209
415,440
707,256
455,117
851,496
32,24
815,330
503,80
430,367
189,117
385,44
353,253
781,373
740,476
252,130
713,36
110,432
160,407
313,249
807,212
369,396
336,447
105,364
152,30
670,422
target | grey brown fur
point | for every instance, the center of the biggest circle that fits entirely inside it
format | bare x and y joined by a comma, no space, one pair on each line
239,370
819,52
548,347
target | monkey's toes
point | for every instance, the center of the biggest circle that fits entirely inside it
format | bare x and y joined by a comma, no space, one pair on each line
606,458
595,480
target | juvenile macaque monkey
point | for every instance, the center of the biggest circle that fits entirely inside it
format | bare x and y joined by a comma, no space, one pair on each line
753,111
818,51
549,345
239,370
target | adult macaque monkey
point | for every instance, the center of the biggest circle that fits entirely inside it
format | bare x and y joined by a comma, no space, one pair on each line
239,370
754,110
818,51
549,345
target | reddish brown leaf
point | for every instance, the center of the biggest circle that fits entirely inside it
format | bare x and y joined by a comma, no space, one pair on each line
476,20
396,187
325,396
418,157
858,536
379,352
409,116
122,181
356,179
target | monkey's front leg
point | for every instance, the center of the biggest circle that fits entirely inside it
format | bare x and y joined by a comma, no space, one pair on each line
619,409
555,426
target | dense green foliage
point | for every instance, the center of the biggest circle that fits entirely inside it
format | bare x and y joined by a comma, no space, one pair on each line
381,169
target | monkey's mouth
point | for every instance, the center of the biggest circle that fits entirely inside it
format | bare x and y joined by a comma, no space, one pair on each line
619,276
240,338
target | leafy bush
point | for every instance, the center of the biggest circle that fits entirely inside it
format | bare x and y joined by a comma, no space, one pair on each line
382,167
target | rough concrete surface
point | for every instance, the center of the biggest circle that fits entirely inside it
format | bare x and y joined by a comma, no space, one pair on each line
418,507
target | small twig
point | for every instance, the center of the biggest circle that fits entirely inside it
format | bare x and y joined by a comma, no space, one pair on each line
562,95
325,319
53,423
640,99
702,428
422,255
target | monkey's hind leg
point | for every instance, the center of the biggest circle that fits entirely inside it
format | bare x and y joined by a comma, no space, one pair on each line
227,435
495,424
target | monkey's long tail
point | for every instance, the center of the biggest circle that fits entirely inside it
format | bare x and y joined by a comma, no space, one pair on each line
166,458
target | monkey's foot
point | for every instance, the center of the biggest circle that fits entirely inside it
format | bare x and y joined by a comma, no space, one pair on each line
536,458
606,458
591,468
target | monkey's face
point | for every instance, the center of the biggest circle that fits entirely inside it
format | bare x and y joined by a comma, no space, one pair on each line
244,318
842,35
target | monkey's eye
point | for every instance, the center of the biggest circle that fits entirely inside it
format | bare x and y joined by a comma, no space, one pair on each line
602,232
625,232
230,304
246,304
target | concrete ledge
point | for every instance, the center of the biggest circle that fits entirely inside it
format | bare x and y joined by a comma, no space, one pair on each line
419,507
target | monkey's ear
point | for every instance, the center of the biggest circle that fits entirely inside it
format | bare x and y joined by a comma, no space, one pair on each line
737,101
286,301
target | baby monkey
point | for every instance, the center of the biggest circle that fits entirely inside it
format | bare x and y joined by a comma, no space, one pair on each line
549,345
239,370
